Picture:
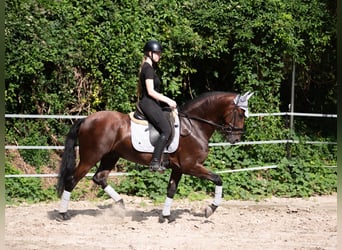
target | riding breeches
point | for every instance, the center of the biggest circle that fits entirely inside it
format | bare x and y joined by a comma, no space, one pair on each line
155,115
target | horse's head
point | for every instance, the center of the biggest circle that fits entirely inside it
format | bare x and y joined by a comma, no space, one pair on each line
234,118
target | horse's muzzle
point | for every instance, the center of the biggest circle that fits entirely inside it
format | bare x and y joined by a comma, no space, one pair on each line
234,137
233,140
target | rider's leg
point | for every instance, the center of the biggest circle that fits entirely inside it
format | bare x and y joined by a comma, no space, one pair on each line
155,164
157,118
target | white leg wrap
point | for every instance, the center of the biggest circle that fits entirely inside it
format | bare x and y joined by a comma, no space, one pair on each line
218,195
63,207
112,193
167,207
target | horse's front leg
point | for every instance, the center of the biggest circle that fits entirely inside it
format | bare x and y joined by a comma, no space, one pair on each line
171,190
200,171
210,209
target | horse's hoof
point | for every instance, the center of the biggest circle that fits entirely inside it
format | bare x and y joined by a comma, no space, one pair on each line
119,209
169,219
209,210
120,203
63,217
162,219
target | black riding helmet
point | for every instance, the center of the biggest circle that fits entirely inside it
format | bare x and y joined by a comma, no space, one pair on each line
153,46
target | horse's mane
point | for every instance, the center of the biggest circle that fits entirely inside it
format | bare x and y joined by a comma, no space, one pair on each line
205,97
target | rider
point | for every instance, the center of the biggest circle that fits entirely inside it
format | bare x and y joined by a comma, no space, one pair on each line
151,100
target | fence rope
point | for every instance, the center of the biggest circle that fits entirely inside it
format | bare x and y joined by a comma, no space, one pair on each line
26,116
214,144
56,175
126,174
251,115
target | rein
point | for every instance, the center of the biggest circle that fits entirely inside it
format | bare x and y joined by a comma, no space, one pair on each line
228,129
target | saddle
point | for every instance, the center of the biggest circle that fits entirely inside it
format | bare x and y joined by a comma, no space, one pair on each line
142,129
154,133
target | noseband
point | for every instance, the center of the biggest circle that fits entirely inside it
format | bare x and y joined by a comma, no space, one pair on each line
228,129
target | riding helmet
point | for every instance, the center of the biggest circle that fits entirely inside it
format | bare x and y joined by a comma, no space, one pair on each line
153,46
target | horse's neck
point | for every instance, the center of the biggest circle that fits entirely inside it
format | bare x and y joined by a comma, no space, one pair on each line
207,114
207,111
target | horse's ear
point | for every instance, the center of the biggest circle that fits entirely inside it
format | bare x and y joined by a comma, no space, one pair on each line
248,95
241,99
237,99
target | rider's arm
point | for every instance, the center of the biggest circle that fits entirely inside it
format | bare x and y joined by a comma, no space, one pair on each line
158,96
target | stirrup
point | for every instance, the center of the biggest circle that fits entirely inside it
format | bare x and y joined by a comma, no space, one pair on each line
156,167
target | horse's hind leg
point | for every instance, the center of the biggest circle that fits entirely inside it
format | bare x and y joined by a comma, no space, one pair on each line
70,183
107,164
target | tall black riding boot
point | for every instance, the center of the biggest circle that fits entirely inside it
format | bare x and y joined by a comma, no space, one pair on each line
157,154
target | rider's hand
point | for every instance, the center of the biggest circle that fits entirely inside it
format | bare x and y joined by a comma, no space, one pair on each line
172,104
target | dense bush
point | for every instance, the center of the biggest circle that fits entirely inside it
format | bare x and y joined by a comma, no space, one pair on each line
69,57
25,189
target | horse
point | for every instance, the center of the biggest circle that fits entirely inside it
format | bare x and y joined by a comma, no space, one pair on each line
105,136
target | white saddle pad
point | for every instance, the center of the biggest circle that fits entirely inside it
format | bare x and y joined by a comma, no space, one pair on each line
141,138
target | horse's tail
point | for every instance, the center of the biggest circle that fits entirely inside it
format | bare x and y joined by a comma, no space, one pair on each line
68,163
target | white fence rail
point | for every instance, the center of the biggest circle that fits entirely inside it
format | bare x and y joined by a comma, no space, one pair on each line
214,144
251,115
210,144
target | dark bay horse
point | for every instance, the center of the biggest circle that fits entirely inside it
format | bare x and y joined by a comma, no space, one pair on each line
105,137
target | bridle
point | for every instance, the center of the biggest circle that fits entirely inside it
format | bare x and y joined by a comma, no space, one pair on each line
228,129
